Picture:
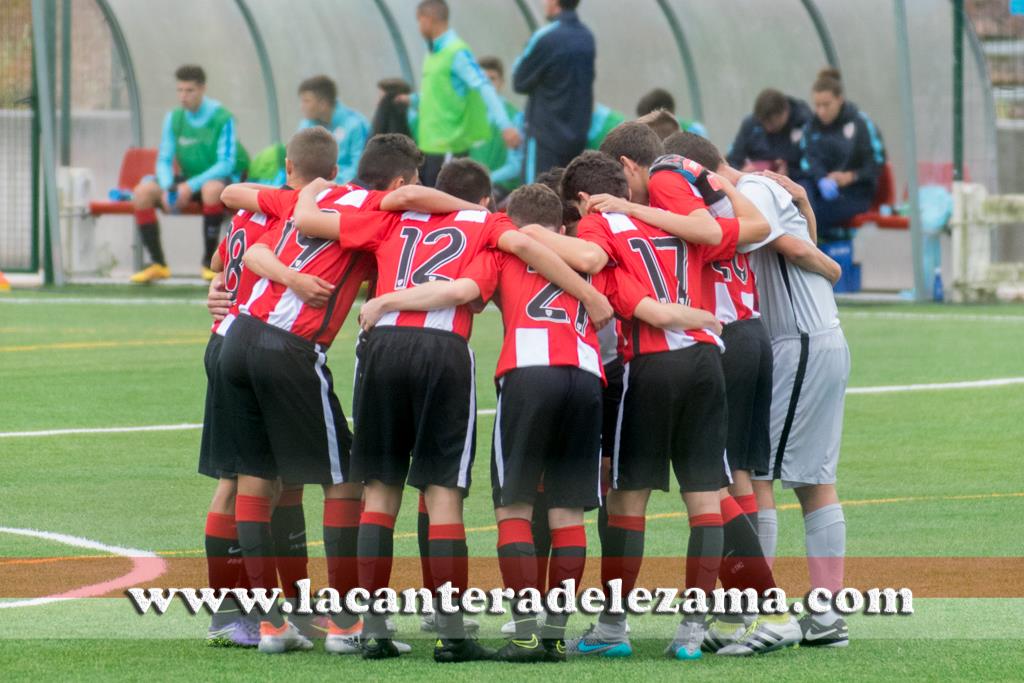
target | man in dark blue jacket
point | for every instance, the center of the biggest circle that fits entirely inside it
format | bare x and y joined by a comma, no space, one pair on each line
556,71
769,139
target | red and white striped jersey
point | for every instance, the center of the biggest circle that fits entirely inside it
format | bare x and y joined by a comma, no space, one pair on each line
666,268
415,248
277,305
728,277
544,325
246,229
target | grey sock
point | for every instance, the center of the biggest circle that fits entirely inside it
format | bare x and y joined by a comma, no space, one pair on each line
825,536
611,628
768,532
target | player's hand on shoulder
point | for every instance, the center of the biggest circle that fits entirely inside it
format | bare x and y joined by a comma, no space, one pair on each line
312,290
795,189
317,186
607,203
218,299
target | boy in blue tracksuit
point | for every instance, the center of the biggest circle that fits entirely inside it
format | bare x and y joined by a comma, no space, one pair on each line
842,158
556,71
318,99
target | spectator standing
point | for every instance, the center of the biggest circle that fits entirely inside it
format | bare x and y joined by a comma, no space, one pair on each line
842,157
198,136
505,165
456,98
318,99
556,71
769,139
601,123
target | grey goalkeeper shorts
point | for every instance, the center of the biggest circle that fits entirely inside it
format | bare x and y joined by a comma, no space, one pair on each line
808,395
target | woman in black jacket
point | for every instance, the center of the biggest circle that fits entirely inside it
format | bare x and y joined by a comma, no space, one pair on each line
842,158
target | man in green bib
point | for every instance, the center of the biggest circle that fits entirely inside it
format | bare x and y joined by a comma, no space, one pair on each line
198,157
457,103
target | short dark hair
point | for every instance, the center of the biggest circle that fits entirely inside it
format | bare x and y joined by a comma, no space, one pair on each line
314,153
192,73
829,80
635,141
659,98
569,4
661,121
491,63
436,8
535,203
320,86
552,178
594,173
769,104
694,147
386,157
466,179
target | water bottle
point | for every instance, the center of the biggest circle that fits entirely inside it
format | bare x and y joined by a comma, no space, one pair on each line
937,292
172,199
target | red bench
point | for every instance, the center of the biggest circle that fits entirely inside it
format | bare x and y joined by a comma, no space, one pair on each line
138,162
885,195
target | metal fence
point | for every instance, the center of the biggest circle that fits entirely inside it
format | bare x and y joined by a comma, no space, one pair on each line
18,153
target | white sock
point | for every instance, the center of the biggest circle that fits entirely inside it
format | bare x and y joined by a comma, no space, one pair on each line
768,532
825,536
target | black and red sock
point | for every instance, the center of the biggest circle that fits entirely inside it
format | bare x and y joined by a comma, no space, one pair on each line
623,556
541,539
743,563
518,568
288,526
423,541
449,563
223,559
341,536
704,552
375,552
252,518
568,560
748,504
213,216
149,233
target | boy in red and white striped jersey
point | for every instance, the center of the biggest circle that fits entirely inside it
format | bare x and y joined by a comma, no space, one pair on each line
548,425
415,398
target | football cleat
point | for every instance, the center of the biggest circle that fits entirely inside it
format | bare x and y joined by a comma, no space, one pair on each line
379,648
275,640
150,274
461,650
721,633
207,274
554,649
523,651
767,635
239,633
590,645
312,627
686,646
836,634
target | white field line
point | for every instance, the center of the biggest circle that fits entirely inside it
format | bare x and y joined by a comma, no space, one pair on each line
932,317
888,389
146,566
89,301
940,386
